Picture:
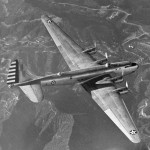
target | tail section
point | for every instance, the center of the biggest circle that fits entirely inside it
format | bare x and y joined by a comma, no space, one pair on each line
17,74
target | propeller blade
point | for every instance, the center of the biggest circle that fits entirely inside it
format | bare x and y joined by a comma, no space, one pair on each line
106,65
95,45
128,88
106,55
127,84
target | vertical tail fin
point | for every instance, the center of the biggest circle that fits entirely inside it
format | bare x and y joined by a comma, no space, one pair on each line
13,73
17,74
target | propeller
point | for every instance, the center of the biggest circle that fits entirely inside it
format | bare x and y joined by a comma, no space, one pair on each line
106,56
127,86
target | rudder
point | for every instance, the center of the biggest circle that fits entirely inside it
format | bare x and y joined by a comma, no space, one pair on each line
13,73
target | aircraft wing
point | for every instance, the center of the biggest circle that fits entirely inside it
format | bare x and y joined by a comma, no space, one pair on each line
69,49
109,100
113,105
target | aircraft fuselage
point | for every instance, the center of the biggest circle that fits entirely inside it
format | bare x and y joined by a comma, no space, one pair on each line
71,77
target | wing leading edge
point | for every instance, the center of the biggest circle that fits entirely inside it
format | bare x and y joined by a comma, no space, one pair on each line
109,101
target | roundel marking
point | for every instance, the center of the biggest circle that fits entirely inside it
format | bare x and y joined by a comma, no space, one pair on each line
53,82
133,132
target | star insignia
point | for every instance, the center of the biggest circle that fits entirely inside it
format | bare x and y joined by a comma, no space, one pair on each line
133,132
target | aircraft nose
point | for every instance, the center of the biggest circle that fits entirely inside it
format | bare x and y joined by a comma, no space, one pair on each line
135,65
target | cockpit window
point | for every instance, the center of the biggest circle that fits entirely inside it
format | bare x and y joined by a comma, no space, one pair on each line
120,64
134,64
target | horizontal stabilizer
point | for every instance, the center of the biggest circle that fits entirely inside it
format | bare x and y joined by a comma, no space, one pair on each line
17,75
33,92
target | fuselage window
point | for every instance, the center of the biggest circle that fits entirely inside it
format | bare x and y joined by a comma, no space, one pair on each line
127,66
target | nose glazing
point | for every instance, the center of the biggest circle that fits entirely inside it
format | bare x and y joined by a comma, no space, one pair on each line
135,64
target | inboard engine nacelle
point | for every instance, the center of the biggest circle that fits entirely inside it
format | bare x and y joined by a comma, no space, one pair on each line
117,79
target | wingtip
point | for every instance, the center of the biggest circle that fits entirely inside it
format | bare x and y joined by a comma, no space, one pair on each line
46,18
136,139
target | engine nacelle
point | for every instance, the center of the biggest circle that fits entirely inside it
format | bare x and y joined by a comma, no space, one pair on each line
122,90
102,61
117,79
90,50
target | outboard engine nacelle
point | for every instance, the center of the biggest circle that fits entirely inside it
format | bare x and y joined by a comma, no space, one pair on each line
90,50
122,90
102,61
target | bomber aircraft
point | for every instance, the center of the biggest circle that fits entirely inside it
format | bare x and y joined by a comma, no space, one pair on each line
93,75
